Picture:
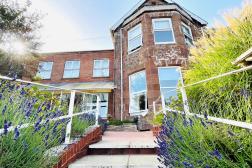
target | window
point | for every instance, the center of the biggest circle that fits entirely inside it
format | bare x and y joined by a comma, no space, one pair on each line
163,31
138,93
45,70
101,68
187,34
72,69
135,38
168,78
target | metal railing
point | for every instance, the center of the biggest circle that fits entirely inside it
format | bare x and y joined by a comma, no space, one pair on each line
71,106
186,111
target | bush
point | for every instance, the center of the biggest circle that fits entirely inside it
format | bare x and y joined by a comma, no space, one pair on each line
194,142
25,147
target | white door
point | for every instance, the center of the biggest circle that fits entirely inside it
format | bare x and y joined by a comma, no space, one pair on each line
103,105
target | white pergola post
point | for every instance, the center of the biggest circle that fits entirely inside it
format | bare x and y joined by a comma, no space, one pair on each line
184,96
70,114
97,111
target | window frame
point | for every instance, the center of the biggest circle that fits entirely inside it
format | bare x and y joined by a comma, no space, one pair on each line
139,25
185,34
133,94
180,76
64,77
45,70
171,29
96,60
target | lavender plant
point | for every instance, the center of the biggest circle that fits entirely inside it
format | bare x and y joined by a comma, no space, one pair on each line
194,142
25,147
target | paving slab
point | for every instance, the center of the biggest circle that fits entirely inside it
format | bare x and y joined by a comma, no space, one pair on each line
117,161
126,140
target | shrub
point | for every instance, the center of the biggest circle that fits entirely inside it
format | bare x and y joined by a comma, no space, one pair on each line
25,147
194,142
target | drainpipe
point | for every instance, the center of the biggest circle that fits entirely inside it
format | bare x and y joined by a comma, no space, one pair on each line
121,36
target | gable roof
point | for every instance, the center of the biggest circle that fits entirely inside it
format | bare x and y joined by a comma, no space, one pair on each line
172,5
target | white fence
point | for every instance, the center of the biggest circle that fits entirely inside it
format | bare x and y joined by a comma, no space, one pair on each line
71,105
186,105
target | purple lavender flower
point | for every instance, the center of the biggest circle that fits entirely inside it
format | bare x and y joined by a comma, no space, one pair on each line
5,127
1,96
16,133
4,110
206,116
203,123
188,165
216,154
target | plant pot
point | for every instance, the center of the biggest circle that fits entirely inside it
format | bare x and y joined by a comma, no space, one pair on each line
156,130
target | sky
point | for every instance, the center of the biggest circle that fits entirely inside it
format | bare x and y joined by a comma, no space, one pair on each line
78,25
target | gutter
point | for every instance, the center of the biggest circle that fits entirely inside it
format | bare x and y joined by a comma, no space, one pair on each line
121,36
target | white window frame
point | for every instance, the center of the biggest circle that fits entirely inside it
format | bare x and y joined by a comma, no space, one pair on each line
188,35
39,70
171,29
71,70
130,50
98,60
131,95
181,78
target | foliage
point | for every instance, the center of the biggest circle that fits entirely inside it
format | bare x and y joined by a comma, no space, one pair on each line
119,122
194,142
81,123
213,55
25,147
17,24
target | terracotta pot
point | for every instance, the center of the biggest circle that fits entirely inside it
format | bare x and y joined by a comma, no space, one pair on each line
156,130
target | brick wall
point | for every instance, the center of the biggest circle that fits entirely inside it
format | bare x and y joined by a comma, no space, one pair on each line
150,56
86,59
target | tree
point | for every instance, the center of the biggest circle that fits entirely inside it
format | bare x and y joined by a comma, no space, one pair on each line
18,39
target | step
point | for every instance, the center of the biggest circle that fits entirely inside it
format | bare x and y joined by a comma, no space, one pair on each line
117,161
123,128
126,140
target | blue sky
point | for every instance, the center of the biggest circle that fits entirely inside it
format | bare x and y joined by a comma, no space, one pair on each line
71,25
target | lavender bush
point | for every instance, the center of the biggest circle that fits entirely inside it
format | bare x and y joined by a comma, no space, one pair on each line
25,147
194,142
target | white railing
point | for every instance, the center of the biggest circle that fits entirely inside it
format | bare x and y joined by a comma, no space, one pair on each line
186,106
71,113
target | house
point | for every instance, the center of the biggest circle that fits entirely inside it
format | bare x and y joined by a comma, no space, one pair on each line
151,44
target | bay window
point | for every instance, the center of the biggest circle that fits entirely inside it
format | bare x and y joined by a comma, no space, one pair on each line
163,31
135,38
138,93
169,78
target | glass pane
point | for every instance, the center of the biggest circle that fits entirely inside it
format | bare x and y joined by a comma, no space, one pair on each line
68,65
168,95
162,24
44,66
97,73
138,103
169,77
136,31
45,74
163,36
76,64
189,41
138,82
135,43
186,30
105,64
105,72
97,64
71,73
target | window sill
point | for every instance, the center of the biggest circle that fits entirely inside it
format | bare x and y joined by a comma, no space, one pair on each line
134,50
101,76
142,113
70,78
165,43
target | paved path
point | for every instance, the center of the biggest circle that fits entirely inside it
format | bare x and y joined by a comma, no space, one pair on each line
126,140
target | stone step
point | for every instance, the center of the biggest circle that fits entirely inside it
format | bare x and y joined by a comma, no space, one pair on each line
122,151
117,161
123,128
